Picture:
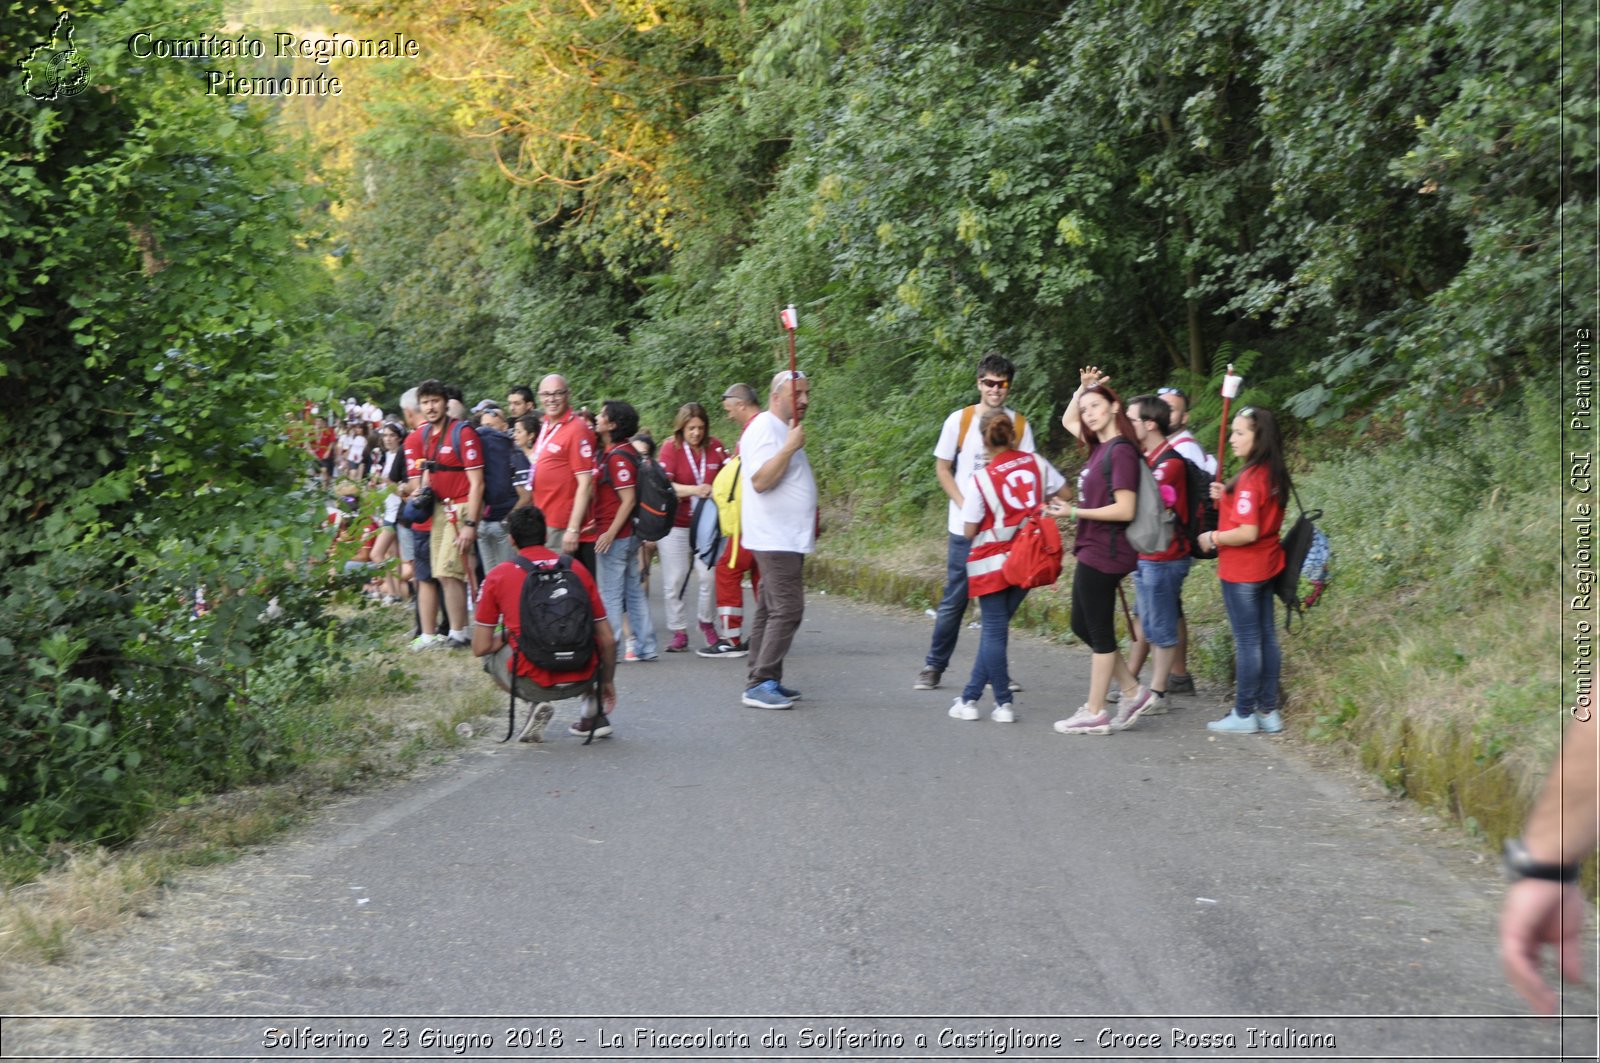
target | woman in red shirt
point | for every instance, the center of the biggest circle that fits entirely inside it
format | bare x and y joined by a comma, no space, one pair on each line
1249,555
692,459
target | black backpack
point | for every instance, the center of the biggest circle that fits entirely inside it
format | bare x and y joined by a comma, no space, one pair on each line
655,502
1308,555
499,490
1202,515
657,506
555,619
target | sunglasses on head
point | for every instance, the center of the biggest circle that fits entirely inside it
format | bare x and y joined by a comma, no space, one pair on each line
1173,391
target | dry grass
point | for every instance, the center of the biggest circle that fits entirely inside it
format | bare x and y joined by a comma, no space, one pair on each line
95,889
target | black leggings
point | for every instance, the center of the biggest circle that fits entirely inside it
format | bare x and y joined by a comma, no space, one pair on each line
1094,607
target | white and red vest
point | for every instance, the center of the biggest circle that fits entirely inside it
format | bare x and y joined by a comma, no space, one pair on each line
1013,487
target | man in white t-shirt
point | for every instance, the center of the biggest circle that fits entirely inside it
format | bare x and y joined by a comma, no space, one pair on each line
958,455
778,525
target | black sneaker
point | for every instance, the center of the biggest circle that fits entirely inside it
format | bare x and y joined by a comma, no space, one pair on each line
598,724
1180,684
724,648
928,679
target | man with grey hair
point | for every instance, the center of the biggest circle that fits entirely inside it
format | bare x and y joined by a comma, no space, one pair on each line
779,526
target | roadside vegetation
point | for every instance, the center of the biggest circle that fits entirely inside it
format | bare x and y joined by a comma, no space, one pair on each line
1381,213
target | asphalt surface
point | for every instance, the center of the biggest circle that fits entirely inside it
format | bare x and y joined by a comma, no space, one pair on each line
835,881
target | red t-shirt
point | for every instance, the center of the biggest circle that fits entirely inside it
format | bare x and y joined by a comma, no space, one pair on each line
1167,466
617,473
440,447
500,601
1251,502
684,466
322,445
451,483
564,450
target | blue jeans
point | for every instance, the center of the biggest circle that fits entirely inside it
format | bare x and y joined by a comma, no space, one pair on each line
1158,586
621,588
991,668
953,606
1257,661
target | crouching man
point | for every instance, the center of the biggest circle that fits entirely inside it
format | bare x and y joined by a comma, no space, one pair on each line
562,628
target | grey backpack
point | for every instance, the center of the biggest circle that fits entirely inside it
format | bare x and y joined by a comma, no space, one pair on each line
1150,530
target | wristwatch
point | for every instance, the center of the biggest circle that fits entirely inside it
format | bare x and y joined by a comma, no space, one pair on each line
470,523
1520,864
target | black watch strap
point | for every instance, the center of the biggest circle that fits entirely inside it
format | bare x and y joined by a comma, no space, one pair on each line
1520,864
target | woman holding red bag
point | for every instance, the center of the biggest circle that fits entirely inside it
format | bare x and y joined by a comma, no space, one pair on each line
1008,487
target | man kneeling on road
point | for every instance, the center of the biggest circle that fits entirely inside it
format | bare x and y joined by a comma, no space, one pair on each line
499,623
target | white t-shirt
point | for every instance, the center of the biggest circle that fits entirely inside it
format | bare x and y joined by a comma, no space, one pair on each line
355,448
1184,442
783,518
968,455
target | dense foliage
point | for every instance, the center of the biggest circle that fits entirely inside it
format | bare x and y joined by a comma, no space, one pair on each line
1371,197
152,341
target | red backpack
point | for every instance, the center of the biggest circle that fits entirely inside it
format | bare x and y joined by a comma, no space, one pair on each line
1034,557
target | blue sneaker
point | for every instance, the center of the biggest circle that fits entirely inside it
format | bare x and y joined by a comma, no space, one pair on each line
766,696
792,695
1234,724
1271,722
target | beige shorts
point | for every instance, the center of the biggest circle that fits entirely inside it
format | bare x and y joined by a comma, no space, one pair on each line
443,555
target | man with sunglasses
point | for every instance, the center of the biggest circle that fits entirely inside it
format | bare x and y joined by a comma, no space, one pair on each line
958,455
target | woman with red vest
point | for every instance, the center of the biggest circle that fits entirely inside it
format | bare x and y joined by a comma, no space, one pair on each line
1008,486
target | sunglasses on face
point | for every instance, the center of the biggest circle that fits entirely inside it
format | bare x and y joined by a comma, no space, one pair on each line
1001,384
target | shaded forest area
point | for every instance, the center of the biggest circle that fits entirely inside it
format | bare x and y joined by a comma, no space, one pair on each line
1383,211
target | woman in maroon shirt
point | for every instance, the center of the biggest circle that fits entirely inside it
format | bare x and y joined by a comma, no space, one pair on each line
1108,492
1249,555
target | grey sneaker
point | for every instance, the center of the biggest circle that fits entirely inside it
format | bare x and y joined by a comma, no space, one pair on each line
928,679
1180,684
533,730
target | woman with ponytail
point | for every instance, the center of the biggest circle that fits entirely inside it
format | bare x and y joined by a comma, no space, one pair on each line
1008,486
1108,492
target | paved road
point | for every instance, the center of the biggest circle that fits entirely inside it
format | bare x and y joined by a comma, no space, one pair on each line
715,873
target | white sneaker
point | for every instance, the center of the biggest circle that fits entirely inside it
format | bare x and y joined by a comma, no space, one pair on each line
964,710
533,730
1156,706
426,642
1003,714
1084,722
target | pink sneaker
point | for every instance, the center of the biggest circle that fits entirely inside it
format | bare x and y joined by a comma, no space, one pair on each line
709,630
679,643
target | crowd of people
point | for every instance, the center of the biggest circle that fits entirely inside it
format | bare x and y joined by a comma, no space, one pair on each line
552,492
471,470
986,463
435,498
